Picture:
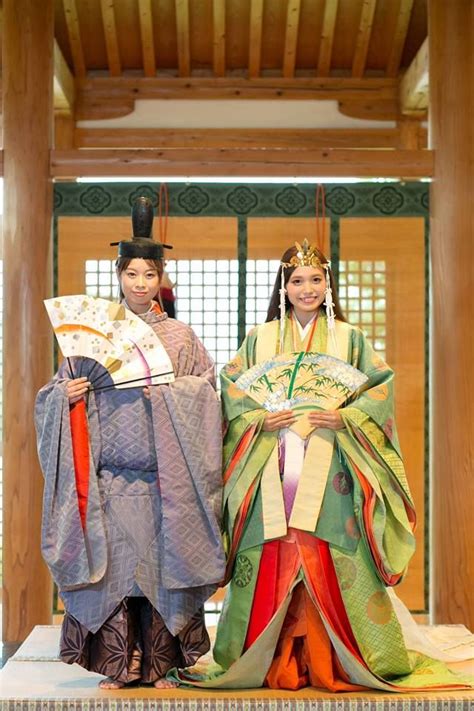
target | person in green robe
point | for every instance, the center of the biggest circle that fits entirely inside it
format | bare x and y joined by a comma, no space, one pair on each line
319,520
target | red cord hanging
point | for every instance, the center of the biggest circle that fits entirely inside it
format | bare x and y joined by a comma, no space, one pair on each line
320,209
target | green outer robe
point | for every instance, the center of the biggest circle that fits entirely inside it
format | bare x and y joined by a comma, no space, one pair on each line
367,556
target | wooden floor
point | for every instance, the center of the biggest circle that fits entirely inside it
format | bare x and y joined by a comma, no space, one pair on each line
34,679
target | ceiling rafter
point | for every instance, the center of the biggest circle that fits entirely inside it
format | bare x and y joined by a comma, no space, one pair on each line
64,85
111,39
291,37
146,33
74,34
327,38
182,30
218,23
255,38
401,30
363,37
414,87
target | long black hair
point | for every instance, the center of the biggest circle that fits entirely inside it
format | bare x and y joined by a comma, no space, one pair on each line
274,305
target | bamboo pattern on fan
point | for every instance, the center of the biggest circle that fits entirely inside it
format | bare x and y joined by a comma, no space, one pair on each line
301,382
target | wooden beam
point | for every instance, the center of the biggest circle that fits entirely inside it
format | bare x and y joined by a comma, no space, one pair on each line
227,162
403,21
74,34
363,37
255,38
102,97
218,25
291,37
148,42
182,30
327,38
414,87
64,86
111,40
300,139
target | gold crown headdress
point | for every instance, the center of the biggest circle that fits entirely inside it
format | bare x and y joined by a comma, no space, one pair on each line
306,256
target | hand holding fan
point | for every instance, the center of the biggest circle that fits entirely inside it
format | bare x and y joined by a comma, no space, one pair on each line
301,382
112,335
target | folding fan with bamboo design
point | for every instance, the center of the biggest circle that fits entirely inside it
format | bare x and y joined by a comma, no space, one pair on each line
301,382
112,335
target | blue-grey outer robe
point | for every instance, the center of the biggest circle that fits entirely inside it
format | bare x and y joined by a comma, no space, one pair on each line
154,502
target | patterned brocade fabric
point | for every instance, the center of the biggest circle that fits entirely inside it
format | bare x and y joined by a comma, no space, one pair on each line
134,644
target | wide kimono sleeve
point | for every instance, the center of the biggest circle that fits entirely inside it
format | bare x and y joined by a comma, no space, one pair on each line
370,448
247,447
187,429
73,539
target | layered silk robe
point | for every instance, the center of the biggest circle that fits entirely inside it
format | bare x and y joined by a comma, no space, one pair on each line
146,521
307,601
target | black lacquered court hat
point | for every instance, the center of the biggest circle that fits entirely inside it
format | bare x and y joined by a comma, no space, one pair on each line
142,245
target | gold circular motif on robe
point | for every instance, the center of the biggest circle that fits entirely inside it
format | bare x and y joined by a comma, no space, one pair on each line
423,671
234,366
234,392
380,392
379,609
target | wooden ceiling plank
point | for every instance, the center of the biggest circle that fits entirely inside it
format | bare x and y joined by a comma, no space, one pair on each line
218,17
182,29
213,162
414,87
255,38
327,38
148,42
401,31
363,37
74,33
251,138
64,86
291,38
111,39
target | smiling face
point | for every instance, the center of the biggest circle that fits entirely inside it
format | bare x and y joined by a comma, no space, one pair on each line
139,282
305,289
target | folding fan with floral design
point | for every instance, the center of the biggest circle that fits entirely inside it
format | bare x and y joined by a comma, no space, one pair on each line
112,335
301,382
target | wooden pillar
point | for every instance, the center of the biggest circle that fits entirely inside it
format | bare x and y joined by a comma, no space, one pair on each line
27,342
451,58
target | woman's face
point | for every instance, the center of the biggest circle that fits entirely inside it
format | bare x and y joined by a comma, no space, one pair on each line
139,282
305,289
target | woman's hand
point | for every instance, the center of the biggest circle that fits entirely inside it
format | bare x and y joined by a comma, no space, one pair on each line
327,419
76,389
278,420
